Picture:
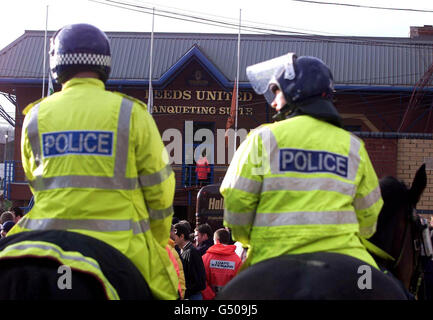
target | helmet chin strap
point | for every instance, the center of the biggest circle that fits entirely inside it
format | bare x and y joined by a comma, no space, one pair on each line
284,113
316,107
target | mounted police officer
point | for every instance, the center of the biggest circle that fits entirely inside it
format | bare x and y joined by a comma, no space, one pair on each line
95,160
301,184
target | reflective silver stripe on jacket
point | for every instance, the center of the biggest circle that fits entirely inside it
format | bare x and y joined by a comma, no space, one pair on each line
47,247
122,144
305,218
85,224
354,157
19,246
155,214
83,182
155,178
118,181
33,134
270,146
368,200
239,219
247,185
307,184
290,218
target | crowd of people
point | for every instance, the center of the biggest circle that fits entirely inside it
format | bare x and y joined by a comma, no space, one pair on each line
9,218
208,259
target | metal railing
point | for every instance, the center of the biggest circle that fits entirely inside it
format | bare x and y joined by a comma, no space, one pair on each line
8,178
190,178
12,175
186,175
29,206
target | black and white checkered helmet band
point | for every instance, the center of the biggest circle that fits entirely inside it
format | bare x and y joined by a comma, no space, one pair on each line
81,58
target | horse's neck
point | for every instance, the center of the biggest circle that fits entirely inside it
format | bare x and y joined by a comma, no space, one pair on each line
395,267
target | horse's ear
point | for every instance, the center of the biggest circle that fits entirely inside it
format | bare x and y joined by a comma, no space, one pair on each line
418,185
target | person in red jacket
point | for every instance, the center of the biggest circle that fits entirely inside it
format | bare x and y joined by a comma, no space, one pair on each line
221,264
202,168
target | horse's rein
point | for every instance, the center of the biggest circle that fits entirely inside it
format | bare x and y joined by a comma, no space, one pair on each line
418,272
403,246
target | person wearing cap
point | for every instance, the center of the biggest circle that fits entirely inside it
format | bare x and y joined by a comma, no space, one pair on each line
95,160
303,183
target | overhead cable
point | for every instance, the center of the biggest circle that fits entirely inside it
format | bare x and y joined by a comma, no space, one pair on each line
266,31
363,6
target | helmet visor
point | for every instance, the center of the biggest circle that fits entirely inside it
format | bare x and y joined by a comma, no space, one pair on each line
263,74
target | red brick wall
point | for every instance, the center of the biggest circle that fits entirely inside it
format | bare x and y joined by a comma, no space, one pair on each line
401,158
412,154
383,155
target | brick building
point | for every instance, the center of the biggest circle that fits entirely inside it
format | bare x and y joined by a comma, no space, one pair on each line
383,93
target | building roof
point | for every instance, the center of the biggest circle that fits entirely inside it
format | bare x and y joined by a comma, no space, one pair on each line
356,62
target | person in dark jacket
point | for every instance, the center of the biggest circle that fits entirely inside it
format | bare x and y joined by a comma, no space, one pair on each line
203,236
195,274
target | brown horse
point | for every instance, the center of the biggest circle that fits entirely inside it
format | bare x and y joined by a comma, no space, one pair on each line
399,230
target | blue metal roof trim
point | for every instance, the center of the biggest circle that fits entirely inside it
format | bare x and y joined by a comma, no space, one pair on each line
224,82
195,52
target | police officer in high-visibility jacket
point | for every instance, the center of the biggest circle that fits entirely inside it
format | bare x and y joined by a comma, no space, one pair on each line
301,184
95,160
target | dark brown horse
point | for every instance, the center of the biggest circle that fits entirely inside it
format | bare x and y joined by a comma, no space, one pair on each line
323,275
399,230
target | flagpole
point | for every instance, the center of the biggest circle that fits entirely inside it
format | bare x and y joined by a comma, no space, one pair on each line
45,54
237,81
150,99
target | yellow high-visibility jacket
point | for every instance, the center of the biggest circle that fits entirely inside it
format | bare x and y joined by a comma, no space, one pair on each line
178,268
301,185
96,165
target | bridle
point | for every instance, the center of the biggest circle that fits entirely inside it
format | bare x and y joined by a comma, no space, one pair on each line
397,261
421,245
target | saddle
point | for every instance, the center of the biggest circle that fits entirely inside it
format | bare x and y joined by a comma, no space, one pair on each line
30,277
312,276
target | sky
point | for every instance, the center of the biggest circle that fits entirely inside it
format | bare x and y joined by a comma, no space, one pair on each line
297,16
20,15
